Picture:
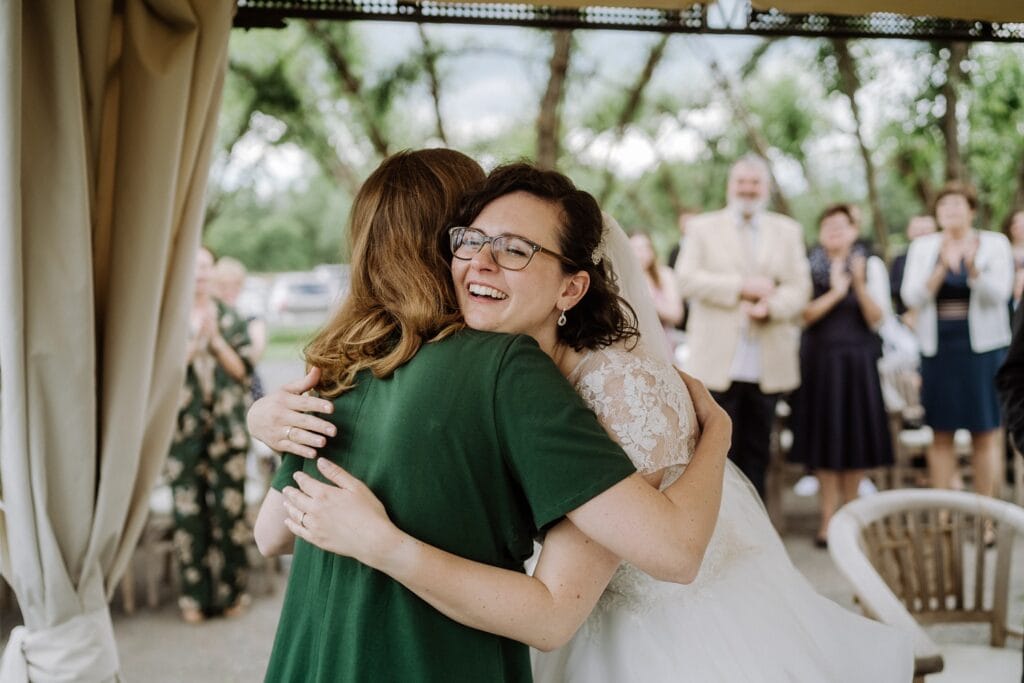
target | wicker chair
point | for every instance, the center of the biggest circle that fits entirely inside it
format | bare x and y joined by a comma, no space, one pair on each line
913,559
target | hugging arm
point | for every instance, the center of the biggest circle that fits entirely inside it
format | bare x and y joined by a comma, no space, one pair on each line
544,610
272,536
665,533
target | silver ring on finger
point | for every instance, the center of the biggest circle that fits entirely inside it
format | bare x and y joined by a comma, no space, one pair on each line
288,433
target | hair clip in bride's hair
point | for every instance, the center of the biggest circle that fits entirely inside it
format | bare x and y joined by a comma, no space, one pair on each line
602,244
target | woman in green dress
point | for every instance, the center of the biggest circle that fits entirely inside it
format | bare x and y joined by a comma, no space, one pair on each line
474,441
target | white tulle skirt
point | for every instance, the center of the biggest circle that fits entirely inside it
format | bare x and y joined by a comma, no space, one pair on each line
749,616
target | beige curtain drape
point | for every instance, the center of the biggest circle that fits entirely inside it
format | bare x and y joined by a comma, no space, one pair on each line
107,117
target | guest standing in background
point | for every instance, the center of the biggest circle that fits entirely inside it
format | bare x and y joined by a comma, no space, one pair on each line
840,427
959,281
229,276
1010,383
744,271
207,461
685,214
661,283
916,227
1013,228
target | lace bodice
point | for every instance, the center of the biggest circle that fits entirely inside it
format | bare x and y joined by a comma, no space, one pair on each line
644,405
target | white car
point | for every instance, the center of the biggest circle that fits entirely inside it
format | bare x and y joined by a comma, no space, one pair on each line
299,298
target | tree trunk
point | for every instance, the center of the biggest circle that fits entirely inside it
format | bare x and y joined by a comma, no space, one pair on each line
430,63
849,81
949,123
922,186
632,106
343,174
753,133
641,208
351,84
548,135
1018,195
668,184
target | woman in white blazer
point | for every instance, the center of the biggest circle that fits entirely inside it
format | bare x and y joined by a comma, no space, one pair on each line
960,281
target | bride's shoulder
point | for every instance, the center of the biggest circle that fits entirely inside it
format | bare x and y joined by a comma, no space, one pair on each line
634,357
618,362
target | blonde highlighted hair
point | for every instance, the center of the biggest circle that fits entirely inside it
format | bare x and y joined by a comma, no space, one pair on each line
401,294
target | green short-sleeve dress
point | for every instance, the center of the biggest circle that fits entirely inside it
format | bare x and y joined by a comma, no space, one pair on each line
473,446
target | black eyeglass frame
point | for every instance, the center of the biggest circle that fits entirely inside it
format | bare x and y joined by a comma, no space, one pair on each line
487,239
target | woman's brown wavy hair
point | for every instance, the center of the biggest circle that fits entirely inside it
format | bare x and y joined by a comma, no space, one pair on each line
401,294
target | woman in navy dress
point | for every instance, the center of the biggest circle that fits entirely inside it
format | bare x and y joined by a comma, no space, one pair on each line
960,280
840,427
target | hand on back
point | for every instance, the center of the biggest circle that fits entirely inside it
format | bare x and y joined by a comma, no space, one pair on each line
282,418
343,517
704,405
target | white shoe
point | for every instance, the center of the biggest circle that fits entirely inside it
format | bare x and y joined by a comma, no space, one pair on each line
866,487
807,486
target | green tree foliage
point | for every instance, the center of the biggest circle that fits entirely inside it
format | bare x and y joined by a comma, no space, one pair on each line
309,110
996,146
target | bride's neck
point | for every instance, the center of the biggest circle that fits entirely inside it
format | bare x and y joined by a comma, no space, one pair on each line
566,358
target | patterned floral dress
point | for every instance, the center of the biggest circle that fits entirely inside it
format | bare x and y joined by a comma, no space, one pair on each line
206,471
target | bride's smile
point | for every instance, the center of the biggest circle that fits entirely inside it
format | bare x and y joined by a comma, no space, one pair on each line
498,298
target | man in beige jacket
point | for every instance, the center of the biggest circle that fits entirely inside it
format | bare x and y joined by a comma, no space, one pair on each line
744,271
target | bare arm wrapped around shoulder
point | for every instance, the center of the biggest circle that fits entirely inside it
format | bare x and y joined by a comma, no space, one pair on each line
544,610
665,533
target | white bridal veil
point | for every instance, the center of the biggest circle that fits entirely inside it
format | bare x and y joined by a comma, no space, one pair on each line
633,286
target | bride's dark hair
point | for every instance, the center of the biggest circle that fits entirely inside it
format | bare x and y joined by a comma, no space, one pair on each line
602,317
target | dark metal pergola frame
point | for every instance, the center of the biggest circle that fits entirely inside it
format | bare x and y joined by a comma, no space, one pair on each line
725,17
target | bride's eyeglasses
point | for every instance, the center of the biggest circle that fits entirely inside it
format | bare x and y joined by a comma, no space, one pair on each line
510,252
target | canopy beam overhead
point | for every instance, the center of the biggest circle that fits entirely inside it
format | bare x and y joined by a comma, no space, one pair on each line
979,21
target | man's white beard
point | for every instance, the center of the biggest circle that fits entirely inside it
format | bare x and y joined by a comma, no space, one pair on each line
748,207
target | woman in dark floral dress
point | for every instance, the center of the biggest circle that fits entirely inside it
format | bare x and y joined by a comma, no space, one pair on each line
206,464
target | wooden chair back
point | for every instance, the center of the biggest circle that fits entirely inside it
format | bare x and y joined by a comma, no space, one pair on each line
933,562
918,557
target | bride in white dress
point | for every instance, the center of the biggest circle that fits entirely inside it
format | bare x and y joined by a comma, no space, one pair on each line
749,615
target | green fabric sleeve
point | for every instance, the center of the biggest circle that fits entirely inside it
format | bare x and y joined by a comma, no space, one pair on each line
555,446
290,464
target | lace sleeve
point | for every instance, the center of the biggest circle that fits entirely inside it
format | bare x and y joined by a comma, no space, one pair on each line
642,403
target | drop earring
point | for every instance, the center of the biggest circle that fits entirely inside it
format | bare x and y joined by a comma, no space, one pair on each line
561,319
